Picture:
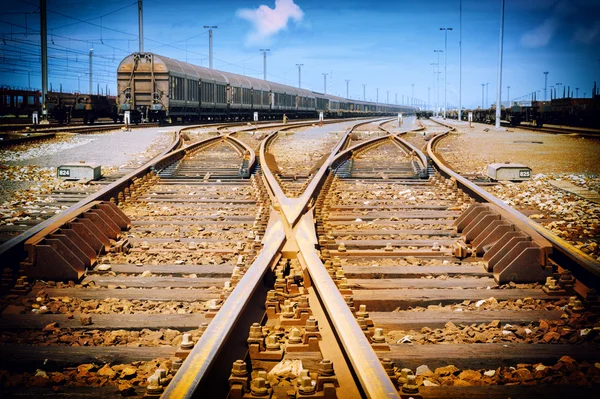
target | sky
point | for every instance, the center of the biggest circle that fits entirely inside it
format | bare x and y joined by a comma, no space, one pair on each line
379,44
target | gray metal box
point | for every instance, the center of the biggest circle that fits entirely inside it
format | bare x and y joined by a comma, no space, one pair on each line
509,171
79,171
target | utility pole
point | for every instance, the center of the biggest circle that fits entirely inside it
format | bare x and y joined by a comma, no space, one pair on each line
498,95
325,82
78,85
545,85
299,75
482,88
140,26
508,95
437,101
387,100
412,96
347,88
44,39
460,67
445,66
577,92
265,62
91,85
487,92
210,45
377,95
364,92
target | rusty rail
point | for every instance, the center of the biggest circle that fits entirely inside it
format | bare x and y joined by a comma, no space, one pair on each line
13,251
585,267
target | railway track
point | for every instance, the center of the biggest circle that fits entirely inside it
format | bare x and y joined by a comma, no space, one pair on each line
369,282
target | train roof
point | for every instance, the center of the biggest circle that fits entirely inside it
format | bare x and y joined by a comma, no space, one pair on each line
222,77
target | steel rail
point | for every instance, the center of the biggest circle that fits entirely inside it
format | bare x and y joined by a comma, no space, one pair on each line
373,379
196,377
199,372
567,251
12,251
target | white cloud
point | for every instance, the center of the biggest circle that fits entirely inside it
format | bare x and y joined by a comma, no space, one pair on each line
268,21
541,35
587,35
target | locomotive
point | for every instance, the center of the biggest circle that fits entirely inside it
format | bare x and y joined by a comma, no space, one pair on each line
157,88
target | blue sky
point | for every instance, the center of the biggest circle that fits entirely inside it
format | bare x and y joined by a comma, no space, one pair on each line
386,44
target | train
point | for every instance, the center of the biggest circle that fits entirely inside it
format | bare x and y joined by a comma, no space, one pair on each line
566,111
155,88
19,104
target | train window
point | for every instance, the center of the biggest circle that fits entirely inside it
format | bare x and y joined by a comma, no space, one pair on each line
265,98
18,101
31,100
221,97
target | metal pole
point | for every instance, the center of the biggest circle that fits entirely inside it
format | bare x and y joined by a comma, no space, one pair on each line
347,88
508,95
412,96
577,92
44,40
377,95
265,62
498,95
78,85
299,75
210,49
545,85
460,67
388,97
91,86
364,92
445,67
141,25
29,79
324,83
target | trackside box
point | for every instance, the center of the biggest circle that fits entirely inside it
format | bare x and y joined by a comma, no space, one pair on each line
79,171
509,171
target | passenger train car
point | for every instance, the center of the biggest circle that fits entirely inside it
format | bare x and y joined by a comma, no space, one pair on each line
18,105
158,88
